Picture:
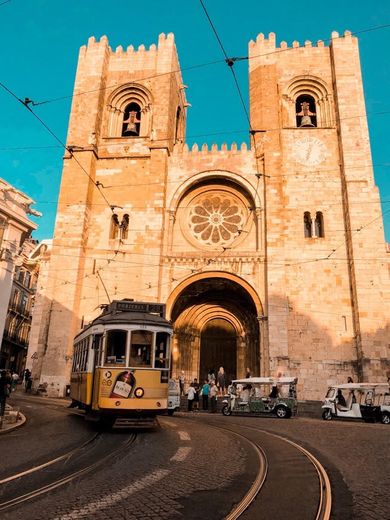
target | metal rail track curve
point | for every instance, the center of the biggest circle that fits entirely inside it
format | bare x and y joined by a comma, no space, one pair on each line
65,480
325,493
49,462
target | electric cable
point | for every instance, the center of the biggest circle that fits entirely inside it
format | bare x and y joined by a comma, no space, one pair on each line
26,104
206,64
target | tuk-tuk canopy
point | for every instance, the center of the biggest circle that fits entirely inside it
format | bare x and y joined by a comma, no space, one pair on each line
266,380
361,386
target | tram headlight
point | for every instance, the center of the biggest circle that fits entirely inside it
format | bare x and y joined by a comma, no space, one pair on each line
139,392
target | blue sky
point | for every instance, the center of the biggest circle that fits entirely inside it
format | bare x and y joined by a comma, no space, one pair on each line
39,46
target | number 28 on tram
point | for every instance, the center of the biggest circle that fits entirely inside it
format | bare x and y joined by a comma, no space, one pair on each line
121,364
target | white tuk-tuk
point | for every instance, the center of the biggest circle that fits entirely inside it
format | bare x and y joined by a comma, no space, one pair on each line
367,401
173,396
262,396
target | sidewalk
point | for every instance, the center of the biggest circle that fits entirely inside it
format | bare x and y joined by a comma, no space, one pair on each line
12,419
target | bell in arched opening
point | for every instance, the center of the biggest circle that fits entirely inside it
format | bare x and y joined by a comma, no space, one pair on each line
306,111
131,120
306,114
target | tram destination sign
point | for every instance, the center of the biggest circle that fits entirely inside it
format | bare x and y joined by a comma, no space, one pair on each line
151,308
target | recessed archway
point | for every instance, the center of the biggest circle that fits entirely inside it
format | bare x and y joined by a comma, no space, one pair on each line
218,347
215,319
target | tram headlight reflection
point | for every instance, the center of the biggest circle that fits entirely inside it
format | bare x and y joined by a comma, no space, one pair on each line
139,392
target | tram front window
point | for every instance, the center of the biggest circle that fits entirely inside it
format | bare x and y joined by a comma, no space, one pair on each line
116,347
161,358
141,348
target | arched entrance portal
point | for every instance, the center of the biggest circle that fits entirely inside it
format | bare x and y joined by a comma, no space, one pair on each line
215,324
218,347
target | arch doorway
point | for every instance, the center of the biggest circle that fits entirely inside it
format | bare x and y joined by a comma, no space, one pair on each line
218,347
215,324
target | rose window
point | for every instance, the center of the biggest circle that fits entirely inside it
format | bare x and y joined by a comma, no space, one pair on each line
216,220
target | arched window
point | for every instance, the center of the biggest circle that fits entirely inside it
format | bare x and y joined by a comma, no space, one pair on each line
308,97
305,108
131,120
307,225
114,228
129,112
125,226
319,225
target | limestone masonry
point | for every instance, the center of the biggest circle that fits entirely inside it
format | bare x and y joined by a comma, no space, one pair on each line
270,257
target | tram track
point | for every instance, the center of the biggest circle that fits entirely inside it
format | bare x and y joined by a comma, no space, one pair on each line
39,467
324,506
62,480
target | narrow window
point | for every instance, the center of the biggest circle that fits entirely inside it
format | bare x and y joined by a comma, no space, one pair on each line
177,129
307,225
27,280
125,226
319,225
305,109
3,225
131,120
114,228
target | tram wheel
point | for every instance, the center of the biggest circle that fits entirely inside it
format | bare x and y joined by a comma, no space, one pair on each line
327,414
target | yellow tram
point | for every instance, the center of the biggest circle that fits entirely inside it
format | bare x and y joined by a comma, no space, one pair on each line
121,361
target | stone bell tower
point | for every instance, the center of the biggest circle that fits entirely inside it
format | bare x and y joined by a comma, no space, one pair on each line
127,116
326,278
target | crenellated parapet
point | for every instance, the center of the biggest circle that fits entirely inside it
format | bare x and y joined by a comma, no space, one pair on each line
265,51
164,42
187,161
133,58
214,149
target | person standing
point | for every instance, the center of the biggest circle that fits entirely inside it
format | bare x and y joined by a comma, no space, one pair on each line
15,379
181,383
196,386
26,376
205,395
190,397
211,375
213,397
221,380
248,372
29,383
5,386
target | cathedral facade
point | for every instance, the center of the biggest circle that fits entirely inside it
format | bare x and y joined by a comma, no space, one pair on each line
269,256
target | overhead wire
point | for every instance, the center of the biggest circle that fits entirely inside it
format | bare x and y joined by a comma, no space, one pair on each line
206,64
26,104
237,85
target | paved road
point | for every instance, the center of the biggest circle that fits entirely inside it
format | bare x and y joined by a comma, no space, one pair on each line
175,471
187,469
355,455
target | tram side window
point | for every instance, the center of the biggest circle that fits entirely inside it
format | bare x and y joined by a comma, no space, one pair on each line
97,348
84,357
75,357
116,347
161,358
141,348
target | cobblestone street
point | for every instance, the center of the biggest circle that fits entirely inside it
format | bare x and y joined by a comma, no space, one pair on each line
188,468
355,454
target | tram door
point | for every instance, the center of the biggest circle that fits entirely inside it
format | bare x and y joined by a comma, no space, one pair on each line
218,347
